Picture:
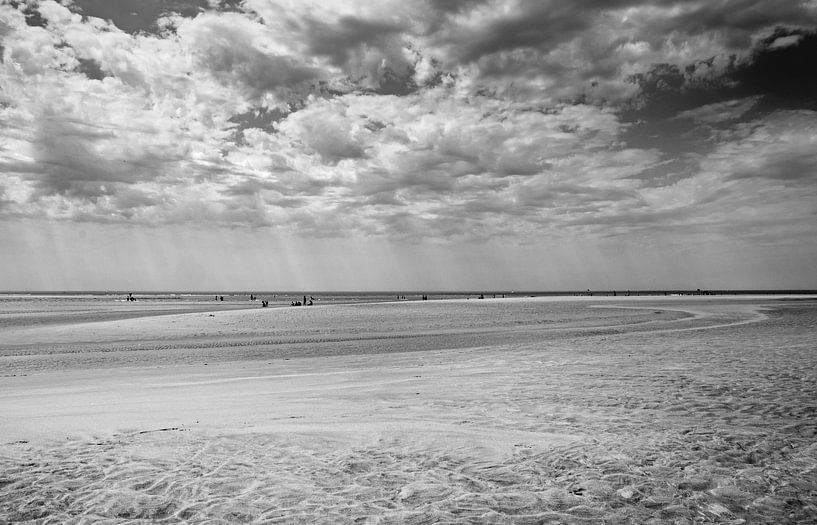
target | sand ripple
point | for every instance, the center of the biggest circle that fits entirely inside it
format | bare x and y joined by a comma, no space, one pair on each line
716,426
178,476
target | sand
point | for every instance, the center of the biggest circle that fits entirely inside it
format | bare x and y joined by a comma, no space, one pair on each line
667,411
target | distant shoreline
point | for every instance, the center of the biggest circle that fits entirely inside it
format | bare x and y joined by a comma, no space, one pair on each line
410,294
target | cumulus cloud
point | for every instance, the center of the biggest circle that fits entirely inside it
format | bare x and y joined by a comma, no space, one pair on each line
451,160
241,53
370,50
444,119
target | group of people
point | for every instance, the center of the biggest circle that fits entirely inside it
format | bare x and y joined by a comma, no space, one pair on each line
304,303
265,303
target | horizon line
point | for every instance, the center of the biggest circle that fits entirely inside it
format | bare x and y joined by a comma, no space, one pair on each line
770,291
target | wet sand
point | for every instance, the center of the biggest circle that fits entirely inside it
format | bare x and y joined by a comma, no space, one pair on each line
665,411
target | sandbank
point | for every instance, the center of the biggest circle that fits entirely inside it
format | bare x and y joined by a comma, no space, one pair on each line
674,411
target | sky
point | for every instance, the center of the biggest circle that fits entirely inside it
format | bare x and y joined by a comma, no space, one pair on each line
408,144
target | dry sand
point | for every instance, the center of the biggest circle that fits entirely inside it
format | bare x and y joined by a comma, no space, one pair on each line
672,411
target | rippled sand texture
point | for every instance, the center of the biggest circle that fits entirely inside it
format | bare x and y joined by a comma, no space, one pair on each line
523,411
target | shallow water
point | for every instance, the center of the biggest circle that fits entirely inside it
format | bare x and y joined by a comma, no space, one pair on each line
522,411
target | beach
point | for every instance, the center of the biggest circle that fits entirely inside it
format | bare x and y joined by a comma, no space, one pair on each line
521,410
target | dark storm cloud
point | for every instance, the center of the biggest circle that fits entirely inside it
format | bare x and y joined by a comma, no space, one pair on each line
583,50
667,89
687,109
781,68
783,75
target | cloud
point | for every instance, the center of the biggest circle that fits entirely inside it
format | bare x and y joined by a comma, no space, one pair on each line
447,160
532,25
325,128
689,110
455,6
781,149
738,19
588,48
720,112
144,17
777,76
781,72
260,118
758,178
240,52
461,120
84,160
91,68
370,50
